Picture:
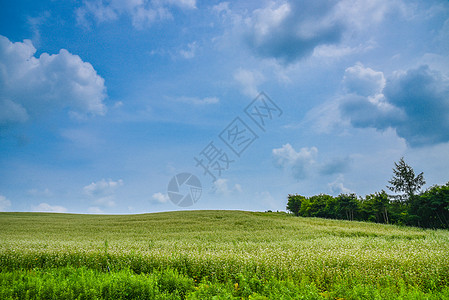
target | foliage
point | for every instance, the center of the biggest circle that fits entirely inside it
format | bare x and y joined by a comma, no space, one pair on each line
294,203
348,206
429,209
404,181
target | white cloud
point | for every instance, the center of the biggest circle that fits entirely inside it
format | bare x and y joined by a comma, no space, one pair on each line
287,157
35,23
288,31
11,112
221,187
103,192
303,163
363,81
4,203
190,51
337,187
160,198
340,50
323,118
362,15
142,12
102,187
222,7
198,101
45,207
249,81
31,86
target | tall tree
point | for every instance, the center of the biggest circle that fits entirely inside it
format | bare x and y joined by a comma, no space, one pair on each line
405,181
294,203
348,205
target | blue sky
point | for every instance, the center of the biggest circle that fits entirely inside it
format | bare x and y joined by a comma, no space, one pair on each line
102,102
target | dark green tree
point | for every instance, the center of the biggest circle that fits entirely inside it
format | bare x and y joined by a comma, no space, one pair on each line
431,208
323,206
294,203
348,206
404,181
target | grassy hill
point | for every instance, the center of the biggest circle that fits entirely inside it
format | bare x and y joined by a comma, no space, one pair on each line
225,254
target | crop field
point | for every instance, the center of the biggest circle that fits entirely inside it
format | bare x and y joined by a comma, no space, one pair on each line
217,255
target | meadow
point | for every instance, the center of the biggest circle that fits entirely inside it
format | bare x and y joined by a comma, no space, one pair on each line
217,255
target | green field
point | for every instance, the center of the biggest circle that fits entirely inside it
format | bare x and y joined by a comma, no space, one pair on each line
217,255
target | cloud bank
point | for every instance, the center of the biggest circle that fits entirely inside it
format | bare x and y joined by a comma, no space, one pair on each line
31,86
142,12
291,30
414,102
103,192
45,207
304,163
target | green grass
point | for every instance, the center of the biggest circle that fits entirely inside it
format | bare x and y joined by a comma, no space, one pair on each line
224,254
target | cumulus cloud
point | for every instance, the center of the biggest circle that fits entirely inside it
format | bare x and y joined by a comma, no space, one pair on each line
249,81
142,12
363,81
288,31
362,15
102,187
221,186
4,203
103,191
414,102
45,207
11,112
160,198
304,163
337,187
299,163
31,86
222,7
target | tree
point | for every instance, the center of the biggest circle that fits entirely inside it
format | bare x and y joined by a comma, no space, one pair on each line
431,208
405,181
348,205
323,206
294,203
379,205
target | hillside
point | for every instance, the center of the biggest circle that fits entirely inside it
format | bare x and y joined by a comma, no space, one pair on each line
222,249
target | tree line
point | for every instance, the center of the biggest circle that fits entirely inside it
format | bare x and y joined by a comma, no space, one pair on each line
409,206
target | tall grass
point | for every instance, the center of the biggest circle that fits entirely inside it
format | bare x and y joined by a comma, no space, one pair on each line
237,253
